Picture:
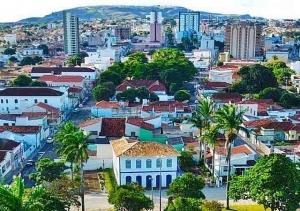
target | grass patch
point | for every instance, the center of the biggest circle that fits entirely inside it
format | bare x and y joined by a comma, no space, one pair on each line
247,208
110,180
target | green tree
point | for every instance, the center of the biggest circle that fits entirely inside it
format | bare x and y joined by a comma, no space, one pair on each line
48,170
182,95
45,48
13,59
229,119
186,160
22,80
130,197
142,93
187,186
289,100
129,95
75,60
256,77
139,57
27,61
219,64
38,83
153,97
210,136
75,147
184,204
212,206
9,51
101,93
271,93
283,75
274,182
167,54
107,76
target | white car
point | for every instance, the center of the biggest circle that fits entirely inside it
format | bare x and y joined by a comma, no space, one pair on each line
49,140
80,106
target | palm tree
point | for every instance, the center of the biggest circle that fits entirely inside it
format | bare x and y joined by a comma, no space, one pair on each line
211,137
59,138
229,119
14,197
202,118
76,149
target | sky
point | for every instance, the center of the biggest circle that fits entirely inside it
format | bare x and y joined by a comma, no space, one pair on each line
14,10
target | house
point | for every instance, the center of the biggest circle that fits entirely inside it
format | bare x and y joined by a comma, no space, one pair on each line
63,80
143,162
224,73
221,99
19,99
75,95
242,158
295,79
116,109
209,88
167,109
11,155
152,85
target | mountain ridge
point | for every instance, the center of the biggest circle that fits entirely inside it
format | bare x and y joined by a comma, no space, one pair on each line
119,12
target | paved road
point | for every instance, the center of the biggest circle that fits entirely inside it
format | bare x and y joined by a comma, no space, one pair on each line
83,113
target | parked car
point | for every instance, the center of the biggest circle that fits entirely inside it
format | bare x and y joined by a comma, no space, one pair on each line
30,163
76,110
80,106
49,140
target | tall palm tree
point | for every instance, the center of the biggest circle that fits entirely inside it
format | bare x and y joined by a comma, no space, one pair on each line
76,149
229,119
60,137
14,197
211,137
202,119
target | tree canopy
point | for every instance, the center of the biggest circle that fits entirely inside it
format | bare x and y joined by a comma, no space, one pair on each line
22,80
271,93
182,95
274,182
9,51
45,48
31,61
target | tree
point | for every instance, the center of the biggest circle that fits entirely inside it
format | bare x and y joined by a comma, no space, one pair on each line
75,147
274,182
38,83
219,63
48,170
45,49
187,186
289,100
130,197
283,75
9,51
101,93
182,95
229,119
139,57
184,204
22,80
186,160
129,95
142,93
271,93
13,59
75,60
107,76
212,206
257,77
210,136
153,97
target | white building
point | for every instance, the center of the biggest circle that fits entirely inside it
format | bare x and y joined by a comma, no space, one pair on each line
10,38
31,51
71,33
225,73
143,162
296,67
16,100
207,43
201,58
63,80
281,55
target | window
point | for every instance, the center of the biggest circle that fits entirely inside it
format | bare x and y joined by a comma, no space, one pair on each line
132,134
225,168
169,163
6,100
128,164
138,164
1,100
35,100
157,163
5,124
45,101
13,124
148,163
16,100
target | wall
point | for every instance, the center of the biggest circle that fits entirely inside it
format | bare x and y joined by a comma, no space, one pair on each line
249,109
131,128
155,122
146,135
94,127
101,112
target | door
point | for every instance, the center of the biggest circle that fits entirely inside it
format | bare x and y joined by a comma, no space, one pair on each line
128,179
157,181
148,182
168,180
139,180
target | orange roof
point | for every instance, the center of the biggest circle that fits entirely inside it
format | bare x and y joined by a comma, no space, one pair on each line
63,78
258,123
106,104
89,122
47,107
227,67
235,150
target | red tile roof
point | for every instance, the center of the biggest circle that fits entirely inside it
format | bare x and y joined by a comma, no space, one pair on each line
75,89
2,155
89,122
47,107
235,150
59,70
151,85
30,91
227,97
215,85
258,123
167,106
282,126
6,144
263,105
113,127
106,104
21,129
62,78
139,122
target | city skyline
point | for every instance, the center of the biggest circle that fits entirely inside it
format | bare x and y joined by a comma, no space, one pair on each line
263,8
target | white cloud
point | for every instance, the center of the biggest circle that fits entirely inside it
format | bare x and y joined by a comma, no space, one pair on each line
13,10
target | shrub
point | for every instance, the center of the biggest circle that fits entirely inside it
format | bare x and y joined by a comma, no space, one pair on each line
110,180
212,206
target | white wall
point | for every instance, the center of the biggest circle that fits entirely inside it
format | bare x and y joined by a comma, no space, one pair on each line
131,128
94,127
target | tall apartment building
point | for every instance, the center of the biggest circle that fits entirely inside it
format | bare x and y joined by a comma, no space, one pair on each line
156,27
71,33
122,33
244,40
189,22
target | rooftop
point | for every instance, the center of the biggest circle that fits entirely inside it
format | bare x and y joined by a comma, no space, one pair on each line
21,129
30,91
130,148
6,145
59,70
89,122
151,85
62,78
113,127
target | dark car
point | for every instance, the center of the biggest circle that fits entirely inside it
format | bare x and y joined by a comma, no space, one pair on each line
30,163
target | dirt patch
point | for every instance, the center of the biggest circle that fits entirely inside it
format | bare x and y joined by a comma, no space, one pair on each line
91,182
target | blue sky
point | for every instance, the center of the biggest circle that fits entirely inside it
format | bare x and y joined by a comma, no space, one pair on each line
13,10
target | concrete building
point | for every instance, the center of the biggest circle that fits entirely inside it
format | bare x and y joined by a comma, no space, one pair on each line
10,38
189,22
244,40
71,33
156,27
122,33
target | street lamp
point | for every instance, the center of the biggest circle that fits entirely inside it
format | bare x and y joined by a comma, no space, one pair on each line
151,178
160,179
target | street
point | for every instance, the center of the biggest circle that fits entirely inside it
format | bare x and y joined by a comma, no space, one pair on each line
83,113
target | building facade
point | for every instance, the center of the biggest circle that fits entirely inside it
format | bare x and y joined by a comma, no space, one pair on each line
71,33
244,40
156,27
